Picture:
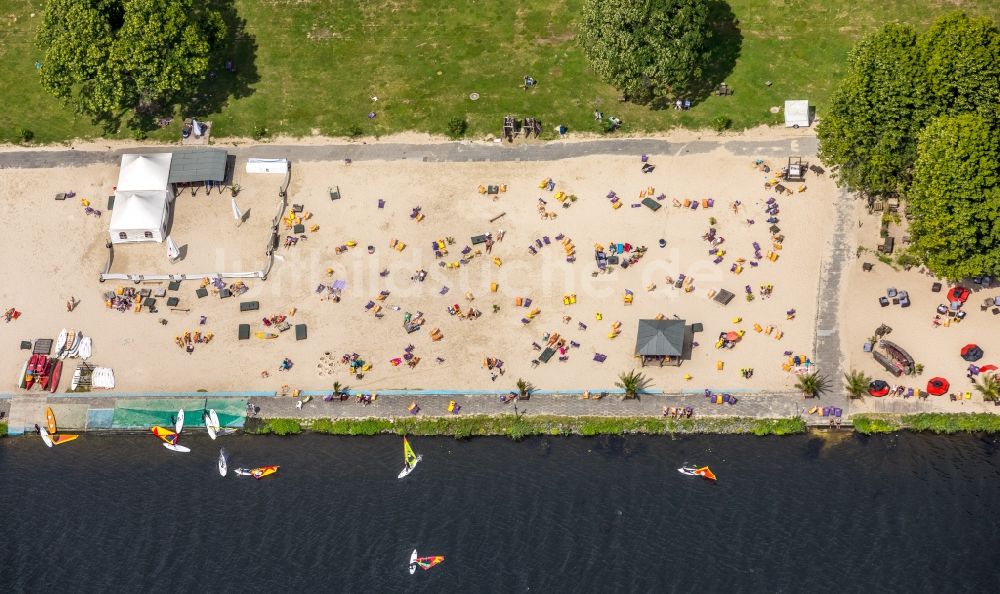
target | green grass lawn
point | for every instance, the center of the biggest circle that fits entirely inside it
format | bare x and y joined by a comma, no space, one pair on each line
311,67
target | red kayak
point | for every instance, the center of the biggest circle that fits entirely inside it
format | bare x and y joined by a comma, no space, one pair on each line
29,375
55,376
45,373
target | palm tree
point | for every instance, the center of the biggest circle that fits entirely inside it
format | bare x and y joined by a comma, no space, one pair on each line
339,390
812,384
856,383
633,382
989,387
524,389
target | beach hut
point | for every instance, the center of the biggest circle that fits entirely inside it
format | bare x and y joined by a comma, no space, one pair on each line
666,342
797,113
142,199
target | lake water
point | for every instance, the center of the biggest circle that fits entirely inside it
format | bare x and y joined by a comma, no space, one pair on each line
904,513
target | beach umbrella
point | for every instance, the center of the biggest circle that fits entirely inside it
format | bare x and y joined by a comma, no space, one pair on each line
172,252
971,352
958,294
987,368
937,386
732,336
878,388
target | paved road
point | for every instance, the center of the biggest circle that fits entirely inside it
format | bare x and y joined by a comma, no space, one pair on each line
748,405
827,348
441,152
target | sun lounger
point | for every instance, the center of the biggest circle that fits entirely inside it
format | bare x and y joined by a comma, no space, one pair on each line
249,306
202,292
600,358
172,301
653,205
300,332
244,332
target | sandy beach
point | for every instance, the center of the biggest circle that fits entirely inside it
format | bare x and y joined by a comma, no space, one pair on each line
52,267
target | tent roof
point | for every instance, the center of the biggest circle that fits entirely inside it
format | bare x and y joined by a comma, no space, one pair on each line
797,112
658,338
138,210
144,172
198,165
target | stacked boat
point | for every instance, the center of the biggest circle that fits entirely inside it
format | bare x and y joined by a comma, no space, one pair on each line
72,344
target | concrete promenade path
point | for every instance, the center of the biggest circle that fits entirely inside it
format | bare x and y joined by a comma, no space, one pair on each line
431,152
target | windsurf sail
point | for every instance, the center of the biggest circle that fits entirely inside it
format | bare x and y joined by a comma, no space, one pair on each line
426,563
60,439
259,473
166,435
705,472
409,458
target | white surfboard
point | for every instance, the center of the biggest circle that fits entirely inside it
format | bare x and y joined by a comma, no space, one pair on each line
60,342
176,448
179,422
223,465
86,347
212,423
413,562
45,437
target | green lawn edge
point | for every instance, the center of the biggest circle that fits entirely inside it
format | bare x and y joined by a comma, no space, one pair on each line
520,427
940,423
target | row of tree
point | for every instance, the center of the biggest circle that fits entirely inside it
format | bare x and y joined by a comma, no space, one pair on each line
918,115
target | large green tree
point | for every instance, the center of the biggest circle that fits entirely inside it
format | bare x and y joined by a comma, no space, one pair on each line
647,48
963,63
876,113
110,57
955,197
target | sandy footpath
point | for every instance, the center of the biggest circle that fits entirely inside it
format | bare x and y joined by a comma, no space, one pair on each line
53,251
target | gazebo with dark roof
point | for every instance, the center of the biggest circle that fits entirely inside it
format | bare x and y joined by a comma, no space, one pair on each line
663,341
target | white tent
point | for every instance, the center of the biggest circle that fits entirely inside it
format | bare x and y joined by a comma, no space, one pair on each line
142,199
796,113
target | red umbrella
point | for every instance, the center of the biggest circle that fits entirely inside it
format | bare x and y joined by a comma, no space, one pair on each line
937,386
986,368
878,388
972,352
732,336
958,294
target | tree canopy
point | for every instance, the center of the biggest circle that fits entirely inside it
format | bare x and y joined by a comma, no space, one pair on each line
877,112
963,63
955,197
109,57
647,48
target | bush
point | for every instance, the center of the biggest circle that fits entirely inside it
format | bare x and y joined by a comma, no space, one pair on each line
871,425
721,123
355,131
457,127
3,429
25,135
259,132
272,427
953,423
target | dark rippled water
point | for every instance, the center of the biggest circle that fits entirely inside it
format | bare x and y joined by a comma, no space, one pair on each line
801,514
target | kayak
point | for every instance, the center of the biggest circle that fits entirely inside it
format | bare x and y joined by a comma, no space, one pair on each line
29,375
50,420
45,437
259,473
179,423
56,376
176,447
61,439
223,466
23,374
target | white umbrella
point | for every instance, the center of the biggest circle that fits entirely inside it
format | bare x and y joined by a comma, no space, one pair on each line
172,252
236,212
